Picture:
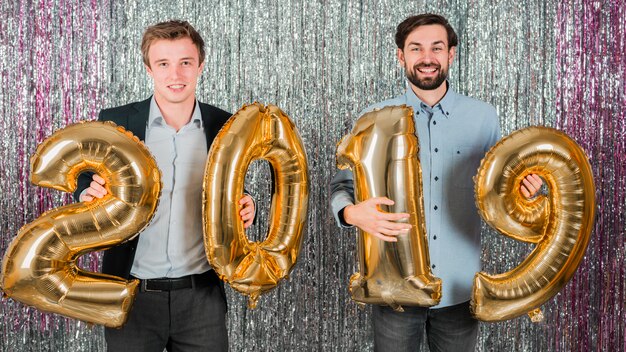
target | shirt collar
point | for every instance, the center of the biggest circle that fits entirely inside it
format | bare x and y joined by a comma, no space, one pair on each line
444,105
156,117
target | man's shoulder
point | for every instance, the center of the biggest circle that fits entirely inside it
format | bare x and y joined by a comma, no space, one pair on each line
213,112
399,100
465,103
122,112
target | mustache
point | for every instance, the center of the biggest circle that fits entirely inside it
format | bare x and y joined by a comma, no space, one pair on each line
428,65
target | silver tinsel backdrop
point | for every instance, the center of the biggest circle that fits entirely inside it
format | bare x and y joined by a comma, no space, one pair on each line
556,63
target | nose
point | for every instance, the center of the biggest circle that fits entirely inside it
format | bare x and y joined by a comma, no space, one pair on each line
174,71
427,56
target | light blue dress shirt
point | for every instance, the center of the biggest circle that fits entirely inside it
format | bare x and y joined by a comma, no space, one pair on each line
172,245
454,136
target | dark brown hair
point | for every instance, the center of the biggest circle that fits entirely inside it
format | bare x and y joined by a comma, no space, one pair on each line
409,24
171,30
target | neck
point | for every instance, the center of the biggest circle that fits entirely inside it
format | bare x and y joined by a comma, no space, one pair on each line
176,115
433,96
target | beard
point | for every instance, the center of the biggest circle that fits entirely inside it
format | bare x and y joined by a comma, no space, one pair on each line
426,83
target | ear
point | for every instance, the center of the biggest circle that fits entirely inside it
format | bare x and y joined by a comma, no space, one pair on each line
451,54
400,55
200,68
148,70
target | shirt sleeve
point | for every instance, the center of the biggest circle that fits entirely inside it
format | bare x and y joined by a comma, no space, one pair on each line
342,195
493,130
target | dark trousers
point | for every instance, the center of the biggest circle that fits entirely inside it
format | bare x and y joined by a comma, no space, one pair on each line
448,329
184,319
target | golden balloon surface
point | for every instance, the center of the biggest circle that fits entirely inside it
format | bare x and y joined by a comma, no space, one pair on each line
39,268
560,223
382,151
255,132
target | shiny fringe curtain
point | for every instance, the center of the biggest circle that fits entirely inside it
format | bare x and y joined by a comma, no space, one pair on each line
560,64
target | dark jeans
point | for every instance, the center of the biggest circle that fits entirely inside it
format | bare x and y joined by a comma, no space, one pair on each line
448,329
189,319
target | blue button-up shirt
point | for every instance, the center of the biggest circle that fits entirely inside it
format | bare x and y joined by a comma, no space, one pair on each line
454,136
173,244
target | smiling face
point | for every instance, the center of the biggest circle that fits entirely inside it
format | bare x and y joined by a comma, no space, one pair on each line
175,68
426,57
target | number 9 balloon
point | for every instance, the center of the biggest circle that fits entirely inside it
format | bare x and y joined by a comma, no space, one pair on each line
559,223
39,267
255,132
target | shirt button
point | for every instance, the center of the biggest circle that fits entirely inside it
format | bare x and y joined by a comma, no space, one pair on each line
436,207
434,266
436,150
458,152
436,178
434,237
434,122
447,113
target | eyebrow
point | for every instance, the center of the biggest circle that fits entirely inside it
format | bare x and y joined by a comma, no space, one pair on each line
189,58
434,43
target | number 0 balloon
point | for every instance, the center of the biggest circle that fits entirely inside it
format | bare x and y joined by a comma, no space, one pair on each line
39,267
559,223
255,132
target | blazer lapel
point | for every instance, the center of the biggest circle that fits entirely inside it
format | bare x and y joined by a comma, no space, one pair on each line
210,130
138,121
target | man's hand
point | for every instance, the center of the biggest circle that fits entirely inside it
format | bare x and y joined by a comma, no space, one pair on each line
247,211
95,189
530,185
368,217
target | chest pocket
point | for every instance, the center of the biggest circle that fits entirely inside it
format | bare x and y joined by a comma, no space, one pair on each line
465,161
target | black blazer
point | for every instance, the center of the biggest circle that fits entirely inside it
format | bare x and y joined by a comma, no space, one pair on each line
134,117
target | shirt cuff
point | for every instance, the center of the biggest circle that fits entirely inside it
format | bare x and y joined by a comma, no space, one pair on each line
339,202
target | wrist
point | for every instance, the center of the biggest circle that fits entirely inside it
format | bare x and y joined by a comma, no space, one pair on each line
347,212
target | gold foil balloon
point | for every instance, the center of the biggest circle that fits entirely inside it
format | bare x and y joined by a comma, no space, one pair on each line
560,223
255,132
39,268
382,151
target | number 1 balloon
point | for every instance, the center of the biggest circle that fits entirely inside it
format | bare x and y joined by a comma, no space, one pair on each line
382,152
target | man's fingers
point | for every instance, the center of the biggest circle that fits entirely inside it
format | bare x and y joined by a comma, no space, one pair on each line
247,224
98,179
535,180
529,186
524,191
245,200
394,216
384,237
381,200
246,210
95,186
246,217
396,226
86,198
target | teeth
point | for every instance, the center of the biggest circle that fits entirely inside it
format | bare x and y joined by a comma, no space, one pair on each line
177,86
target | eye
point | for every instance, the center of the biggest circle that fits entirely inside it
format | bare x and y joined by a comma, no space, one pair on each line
162,64
186,63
